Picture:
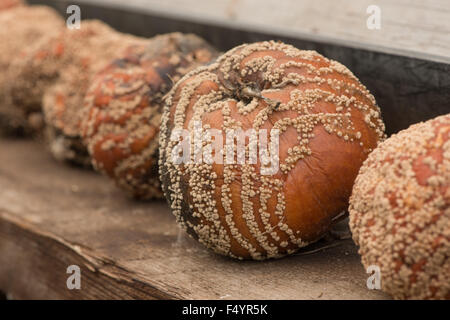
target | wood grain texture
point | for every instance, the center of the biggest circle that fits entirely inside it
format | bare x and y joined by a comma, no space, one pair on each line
416,26
53,216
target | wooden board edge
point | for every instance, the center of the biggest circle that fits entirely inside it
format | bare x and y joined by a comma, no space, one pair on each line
27,254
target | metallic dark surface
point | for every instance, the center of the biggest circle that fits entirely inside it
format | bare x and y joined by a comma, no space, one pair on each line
407,89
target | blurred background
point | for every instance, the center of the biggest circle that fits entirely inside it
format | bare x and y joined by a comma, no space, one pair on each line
400,49
420,26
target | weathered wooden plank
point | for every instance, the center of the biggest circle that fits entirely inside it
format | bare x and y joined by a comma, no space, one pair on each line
420,27
53,216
